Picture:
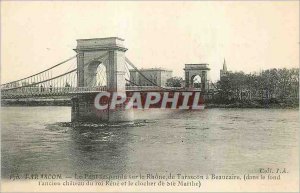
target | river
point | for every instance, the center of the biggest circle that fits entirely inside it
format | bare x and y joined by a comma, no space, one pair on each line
224,141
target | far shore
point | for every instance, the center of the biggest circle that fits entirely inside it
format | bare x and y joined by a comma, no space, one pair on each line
210,105
36,102
257,106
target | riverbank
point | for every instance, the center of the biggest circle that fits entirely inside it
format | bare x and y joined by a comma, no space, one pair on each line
255,104
236,104
36,102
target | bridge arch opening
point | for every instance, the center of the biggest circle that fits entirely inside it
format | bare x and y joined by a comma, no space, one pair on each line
101,78
196,81
96,75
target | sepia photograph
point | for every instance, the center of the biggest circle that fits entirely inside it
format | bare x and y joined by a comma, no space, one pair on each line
149,96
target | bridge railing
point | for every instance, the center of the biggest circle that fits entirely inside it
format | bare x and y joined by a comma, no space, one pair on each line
37,91
89,89
156,88
55,91
142,88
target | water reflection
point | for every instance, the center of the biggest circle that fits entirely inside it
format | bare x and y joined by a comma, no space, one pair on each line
98,149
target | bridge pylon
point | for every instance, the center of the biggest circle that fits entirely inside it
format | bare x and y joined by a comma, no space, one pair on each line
109,52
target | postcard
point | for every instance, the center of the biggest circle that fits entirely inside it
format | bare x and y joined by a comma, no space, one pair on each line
149,96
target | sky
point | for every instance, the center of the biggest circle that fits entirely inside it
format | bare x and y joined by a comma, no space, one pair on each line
251,35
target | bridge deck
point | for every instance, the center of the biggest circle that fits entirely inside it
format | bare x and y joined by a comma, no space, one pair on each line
27,92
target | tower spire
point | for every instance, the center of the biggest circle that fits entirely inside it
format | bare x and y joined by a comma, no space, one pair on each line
224,66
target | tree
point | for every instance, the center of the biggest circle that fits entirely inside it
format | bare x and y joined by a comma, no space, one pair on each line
174,82
278,84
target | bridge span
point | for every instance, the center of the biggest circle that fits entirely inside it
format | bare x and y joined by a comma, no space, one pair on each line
100,65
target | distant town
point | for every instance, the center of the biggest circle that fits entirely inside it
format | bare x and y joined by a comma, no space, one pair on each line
279,87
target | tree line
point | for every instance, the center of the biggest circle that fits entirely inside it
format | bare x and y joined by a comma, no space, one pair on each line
279,84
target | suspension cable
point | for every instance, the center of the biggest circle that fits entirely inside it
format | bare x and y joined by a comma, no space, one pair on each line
43,70
36,83
131,82
135,68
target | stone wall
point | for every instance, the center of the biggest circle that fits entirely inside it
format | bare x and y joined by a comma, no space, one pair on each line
156,75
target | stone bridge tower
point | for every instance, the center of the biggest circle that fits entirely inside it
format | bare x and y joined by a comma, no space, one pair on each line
193,70
89,49
91,53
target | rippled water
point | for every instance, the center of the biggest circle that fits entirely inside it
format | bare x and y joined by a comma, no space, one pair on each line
42,139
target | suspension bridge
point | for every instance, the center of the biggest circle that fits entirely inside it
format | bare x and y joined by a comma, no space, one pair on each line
99,65
49,83
54,82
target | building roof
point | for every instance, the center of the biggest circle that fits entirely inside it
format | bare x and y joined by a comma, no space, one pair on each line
152,69
198,64
202,66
